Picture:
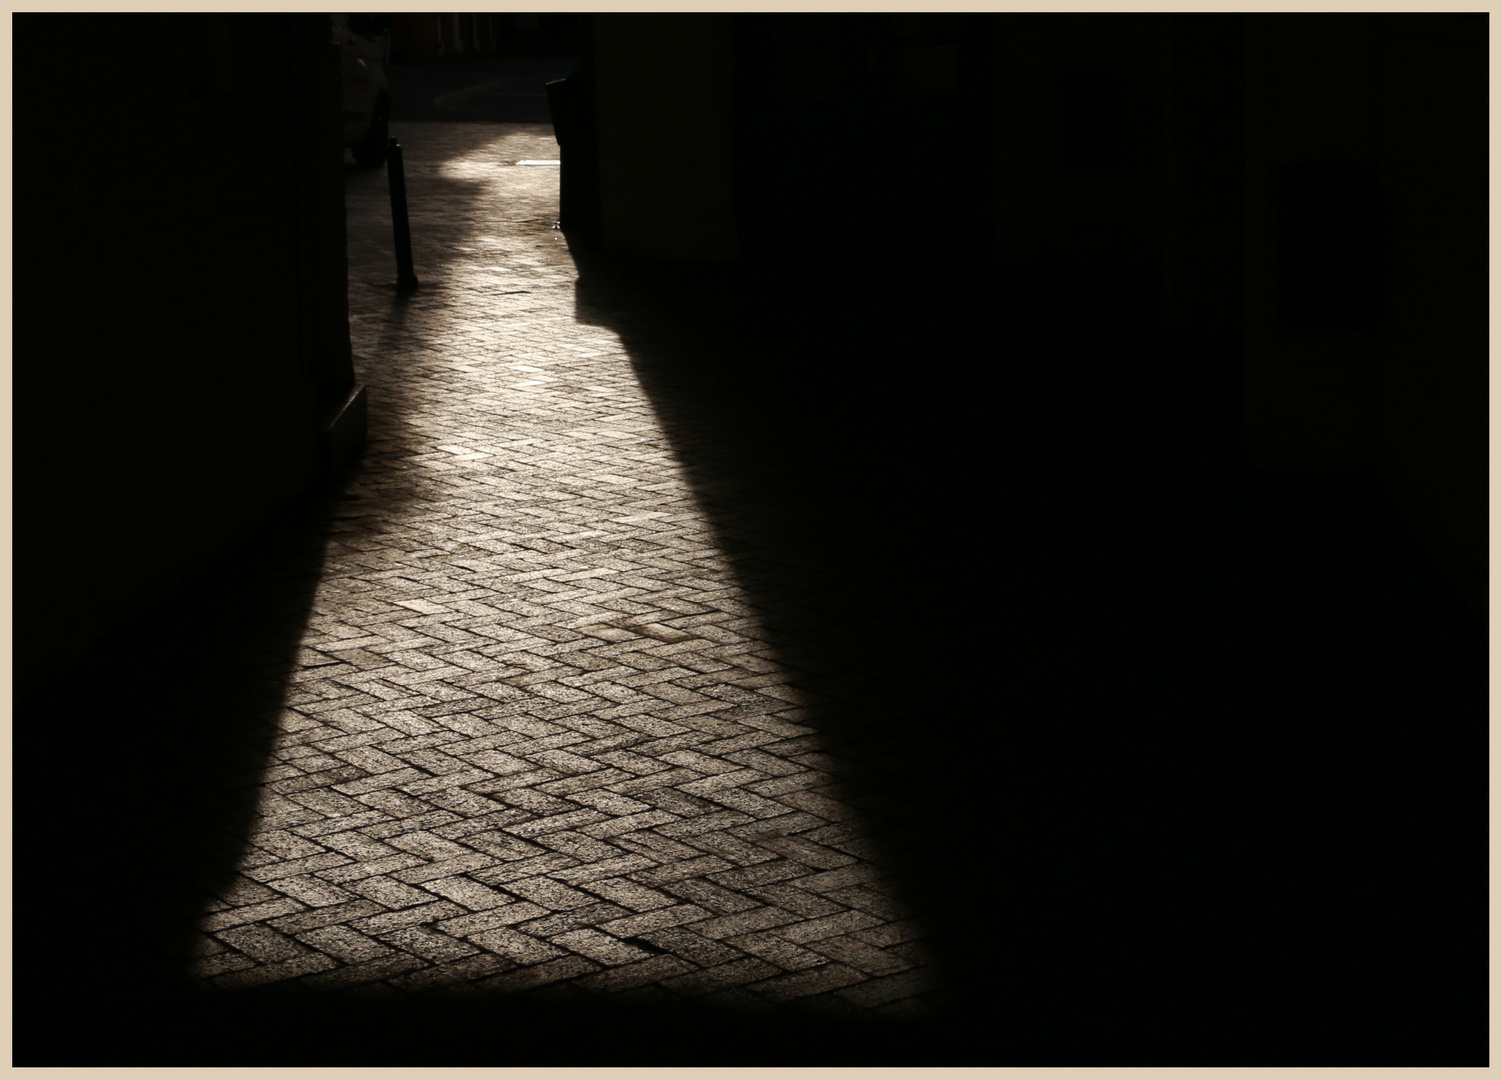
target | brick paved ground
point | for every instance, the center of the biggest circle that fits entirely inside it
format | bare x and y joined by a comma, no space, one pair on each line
838,666
538,734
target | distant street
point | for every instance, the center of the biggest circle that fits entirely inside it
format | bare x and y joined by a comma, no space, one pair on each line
484,90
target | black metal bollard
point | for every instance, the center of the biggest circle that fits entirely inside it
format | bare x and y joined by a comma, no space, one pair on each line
406,280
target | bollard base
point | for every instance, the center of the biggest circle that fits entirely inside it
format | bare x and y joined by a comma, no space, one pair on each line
340,435
406,280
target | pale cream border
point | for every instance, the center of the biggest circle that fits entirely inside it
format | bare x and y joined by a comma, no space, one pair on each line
7,434
1495,396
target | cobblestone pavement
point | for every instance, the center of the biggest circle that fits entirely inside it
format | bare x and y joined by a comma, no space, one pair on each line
537,733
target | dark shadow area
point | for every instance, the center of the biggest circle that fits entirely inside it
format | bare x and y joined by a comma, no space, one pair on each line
166,728
862,153
558,1027
1179,764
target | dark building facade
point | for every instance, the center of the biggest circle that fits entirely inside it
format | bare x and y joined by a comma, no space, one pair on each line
1288,204
180,210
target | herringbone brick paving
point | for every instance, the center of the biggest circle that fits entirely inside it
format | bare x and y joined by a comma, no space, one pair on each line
537,734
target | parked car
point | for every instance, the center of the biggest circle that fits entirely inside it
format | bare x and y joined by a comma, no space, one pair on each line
367,98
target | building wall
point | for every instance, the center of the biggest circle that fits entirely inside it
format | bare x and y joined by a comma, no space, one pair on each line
183,316
1430,413
1366,263
1078,145
1292,205
663,101
860,140
427,37
445,36
1203,237
1309,116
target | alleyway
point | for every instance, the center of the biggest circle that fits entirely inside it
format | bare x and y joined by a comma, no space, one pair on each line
627,707
539,733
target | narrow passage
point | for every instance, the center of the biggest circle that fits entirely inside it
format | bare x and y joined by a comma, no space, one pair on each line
538,735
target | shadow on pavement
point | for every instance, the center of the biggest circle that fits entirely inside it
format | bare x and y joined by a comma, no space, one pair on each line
164,733
1179,764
